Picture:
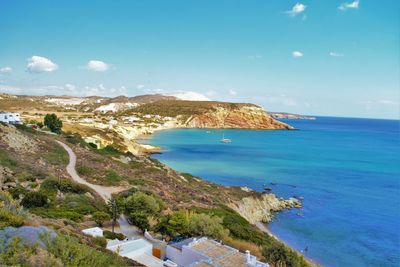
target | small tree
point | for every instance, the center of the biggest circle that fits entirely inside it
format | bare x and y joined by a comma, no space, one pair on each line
140,219
100,217
114,208
53,123
34,199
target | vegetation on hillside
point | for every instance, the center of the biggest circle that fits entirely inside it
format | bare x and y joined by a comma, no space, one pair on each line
160,199
173,108
53,123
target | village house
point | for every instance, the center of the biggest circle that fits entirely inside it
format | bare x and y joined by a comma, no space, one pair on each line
195,252
10,117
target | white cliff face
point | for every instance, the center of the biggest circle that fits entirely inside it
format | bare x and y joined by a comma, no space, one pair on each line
262,209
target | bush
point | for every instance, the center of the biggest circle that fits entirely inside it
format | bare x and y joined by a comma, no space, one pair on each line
112,177
34,199
205,225
83,170
109,150
140,219
16,192
64,185
99,241
100,217
53,123
110,235
142,203
72,253
7,218
57,214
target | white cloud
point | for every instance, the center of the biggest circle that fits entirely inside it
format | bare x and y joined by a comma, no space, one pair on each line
336,54
154,91
387,102
211,93
37,64
352,5
188,95
232,92
97,65
377,104
280,100
296,9
5,70
140,86
297,54
70,87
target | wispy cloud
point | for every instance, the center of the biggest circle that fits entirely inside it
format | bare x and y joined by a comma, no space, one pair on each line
211,93
296,9
38,64
232,92
97,66
279,100
352,5
254,57
336,54
381,103
5,70
297,54
140,86
70,89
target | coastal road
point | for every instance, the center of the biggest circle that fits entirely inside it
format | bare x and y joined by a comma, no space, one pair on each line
104,191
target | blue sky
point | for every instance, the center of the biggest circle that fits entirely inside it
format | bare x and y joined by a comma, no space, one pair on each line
335,57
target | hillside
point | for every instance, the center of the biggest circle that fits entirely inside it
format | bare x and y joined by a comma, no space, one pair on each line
32,163
121,120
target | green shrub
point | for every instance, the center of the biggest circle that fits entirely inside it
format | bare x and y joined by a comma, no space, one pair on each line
56,155
64,185
84,170
139,219
109,150
111,235
54,213
100,241
7,218
16,192
34,199
53,123
133,181
112,177
72,253
100,217
140,202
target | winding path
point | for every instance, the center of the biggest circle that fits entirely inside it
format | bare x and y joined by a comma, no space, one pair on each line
104,191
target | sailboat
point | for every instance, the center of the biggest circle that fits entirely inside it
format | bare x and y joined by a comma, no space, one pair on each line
225,140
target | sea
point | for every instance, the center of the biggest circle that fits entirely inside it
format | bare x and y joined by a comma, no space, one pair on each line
345,170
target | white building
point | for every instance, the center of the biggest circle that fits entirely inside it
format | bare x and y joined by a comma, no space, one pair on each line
95,231
139,250
194,252
10,117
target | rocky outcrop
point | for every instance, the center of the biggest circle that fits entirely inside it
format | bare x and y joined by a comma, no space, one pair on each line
256,209
244,117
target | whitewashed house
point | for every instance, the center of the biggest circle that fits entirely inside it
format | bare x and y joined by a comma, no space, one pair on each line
95,231
139,250
195,252
10,117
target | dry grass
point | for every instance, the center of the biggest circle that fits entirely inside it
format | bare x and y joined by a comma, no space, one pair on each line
243,246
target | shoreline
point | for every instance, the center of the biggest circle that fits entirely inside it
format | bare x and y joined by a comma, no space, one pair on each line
260,225
263,228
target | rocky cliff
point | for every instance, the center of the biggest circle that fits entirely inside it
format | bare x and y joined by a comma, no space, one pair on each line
243,117
261,209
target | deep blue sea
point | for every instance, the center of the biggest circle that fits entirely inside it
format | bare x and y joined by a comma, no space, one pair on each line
347,170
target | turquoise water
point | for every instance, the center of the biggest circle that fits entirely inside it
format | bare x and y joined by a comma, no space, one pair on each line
347,170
